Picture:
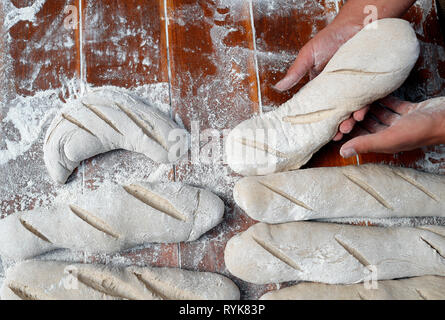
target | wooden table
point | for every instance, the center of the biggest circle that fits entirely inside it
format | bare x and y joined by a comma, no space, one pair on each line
210,62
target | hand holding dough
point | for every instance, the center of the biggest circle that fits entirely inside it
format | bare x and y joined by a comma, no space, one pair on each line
106,120
371,65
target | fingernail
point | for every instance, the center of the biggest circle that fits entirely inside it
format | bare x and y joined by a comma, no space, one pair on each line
276,89
361,117
347,153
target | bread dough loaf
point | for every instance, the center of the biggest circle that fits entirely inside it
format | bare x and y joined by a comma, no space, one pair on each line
371,65
47,280
372,191
334,253
113,218
417,288
104,120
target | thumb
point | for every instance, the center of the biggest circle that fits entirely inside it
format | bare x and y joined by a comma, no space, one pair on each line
302,64
375,142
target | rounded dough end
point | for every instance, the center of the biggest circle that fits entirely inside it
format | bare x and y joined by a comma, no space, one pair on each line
209,213
240,259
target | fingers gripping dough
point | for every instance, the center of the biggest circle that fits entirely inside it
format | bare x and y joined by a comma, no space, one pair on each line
113,218
47,280
333,253
105,120
372,191
371,65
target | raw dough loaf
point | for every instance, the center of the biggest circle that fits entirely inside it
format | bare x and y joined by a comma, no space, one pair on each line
113,218
417,288
105,120
333,253
40,280
373,191
368,67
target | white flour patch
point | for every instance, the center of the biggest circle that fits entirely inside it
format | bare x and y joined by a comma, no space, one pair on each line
214,177
146,62
26,116
434,160
15,15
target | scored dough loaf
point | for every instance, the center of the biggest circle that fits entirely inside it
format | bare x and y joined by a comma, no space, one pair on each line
104,120
113,218
371,65
334,253
370,190
417,288
49,280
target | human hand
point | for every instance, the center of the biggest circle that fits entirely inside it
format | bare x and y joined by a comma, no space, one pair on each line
314,56
347,125
352,17
399,126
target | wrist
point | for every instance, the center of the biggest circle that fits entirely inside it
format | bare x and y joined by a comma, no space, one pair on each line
345,28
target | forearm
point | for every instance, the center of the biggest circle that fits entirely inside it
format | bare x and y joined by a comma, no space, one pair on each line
357,11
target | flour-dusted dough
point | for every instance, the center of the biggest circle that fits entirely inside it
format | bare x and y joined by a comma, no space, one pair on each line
373,191
417,288
368,67
47,280
113,218
104,120
333,253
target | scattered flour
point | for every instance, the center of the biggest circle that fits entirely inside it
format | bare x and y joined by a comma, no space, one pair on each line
23,129
23,122
27,116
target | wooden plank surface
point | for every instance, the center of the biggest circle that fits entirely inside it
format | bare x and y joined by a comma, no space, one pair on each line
124,49
209,63
127,49
39,70
214,86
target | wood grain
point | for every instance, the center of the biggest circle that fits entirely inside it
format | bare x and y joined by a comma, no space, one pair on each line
212,62
214,86
124,49
38,56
